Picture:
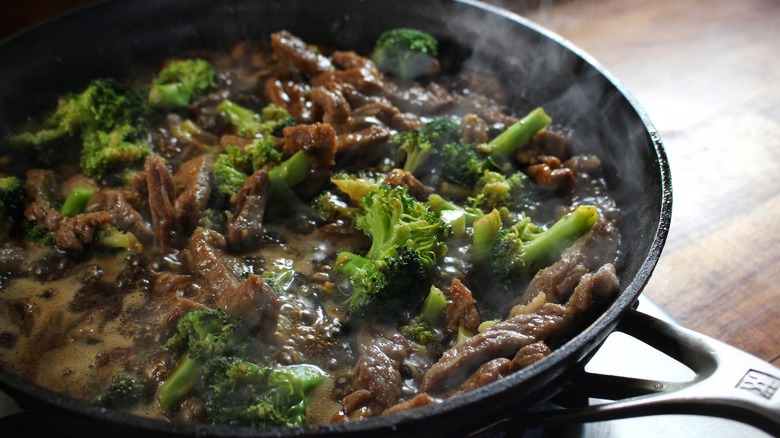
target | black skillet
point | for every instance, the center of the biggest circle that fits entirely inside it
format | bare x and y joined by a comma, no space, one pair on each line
120,38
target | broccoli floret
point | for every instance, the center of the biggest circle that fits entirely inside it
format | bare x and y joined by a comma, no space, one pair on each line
213,219
358,185
110,236
331,207
407,240
420,146
181,82
485,229
77,201
422,327
250,124
464,164
108,151
440,206
521,132
126,390
289,172
495,190
11,196
201,335
520,251
233,167
37,233
104,105
242,393
407,53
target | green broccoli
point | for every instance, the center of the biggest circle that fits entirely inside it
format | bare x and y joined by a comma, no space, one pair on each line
358,185
110,236
108,151
233,167
518,134
125,391
332,207
420,146
289,172
11,196
440,206
102,106
200,335
181,82
422,328
407,53
519,251
241,393
407,240
77,201
495,190
464,164
250,124
37,233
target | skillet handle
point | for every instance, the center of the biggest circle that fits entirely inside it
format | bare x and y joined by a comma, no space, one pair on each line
728,383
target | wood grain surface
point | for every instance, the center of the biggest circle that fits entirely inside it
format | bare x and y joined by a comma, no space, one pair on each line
708,74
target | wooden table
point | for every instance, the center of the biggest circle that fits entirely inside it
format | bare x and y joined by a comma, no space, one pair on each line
708,74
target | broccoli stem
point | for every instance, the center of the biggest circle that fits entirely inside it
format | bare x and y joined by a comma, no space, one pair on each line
289,173
485,232
440,205
173,95
520,133
181,383
77,201
433,306
349,263
567,229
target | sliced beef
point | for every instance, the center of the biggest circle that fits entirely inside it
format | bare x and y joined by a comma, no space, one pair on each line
254,302
219,276
245,223
461,312
550,174
421,399
597,247
319,140
335,108
68,232
417,99
475,130
352,69
415,187
161,190
487,373
377,377
293,96
192,182
295,56
125,216
364,144
549,322
531,354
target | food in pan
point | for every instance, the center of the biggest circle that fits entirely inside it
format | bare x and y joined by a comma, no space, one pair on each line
296,234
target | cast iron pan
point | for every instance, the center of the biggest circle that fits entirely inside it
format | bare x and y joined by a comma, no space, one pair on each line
120,38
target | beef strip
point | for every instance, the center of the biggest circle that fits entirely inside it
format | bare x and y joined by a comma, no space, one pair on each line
421,399
125,217
549,174
319,140
255,303
219,276
245,223
548,322
461,312
597,247
335,108
377,377
531,354
161,190
68,232
193,184
293,96
489,372
293,55
415,187
475,130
